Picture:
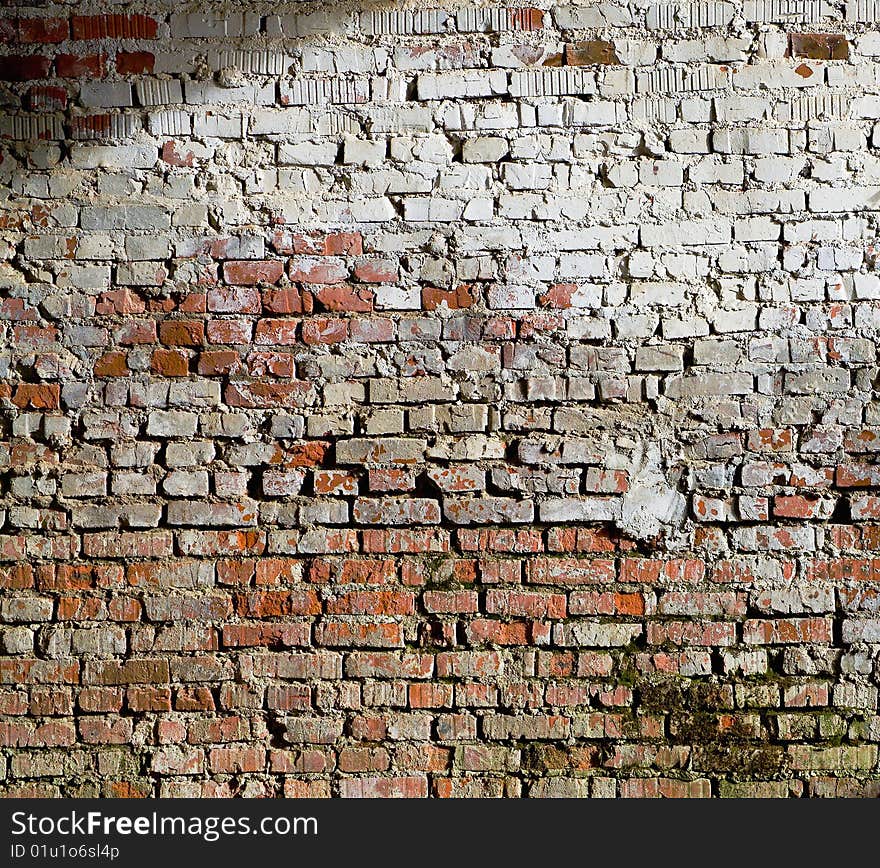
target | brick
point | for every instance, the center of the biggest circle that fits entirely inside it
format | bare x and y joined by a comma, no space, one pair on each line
36,396
408,787
794,630
250,273
43,30
819,46
344,298
135,62
113,27
180,333
79,65
596,51
358,635
24,67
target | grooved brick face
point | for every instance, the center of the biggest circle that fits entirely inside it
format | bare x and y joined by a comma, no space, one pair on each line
477,400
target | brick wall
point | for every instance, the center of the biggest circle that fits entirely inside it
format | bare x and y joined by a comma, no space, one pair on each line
398,400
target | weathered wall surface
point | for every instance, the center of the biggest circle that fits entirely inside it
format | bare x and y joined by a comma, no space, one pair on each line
419,401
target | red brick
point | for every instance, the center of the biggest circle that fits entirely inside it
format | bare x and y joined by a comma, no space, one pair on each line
110,730
405,787
269,604
120,301
280,332
282,301
229,331
193,699
8,30
482,630
375,330
797,506
252,272
175,154
526,18
344,298
819,46
148,698
36,396
358,634
135,62
182,333
114,27
49,99
450,602
44,30
169,363
788,631
330,271
317,244
235,760
372,603
112,365
335,482
462,297
376,271
531,605
24,67
430,695
324,331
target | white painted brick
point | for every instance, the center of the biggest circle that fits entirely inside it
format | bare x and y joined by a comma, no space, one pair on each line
750,140
113,156
833,199
816,106
552,82
113,126
202,25
774,75
701,13
378,210
307,154
250,60
787,10
736,109
511,296
867,286
863,107
692,232
592,15
352,58
172,122
863,10
432,209
868,44
379,22
689,142
319,91
31,128
157,91
461,85
219,125
676,79
208,93
105,94
862,75
593,113
321,23
399,119
654,109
